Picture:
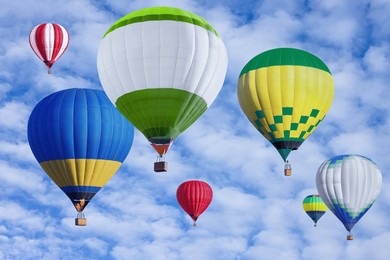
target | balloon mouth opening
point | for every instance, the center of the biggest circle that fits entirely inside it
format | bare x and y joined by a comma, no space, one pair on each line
48,64
194,218
80,204
163,147
285,146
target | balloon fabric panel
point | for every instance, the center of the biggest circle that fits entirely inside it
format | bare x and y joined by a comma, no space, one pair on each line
349,185
162,67
161,13
314,207
74,131
283,99
194,197
49,41
161,124
80,172
80,140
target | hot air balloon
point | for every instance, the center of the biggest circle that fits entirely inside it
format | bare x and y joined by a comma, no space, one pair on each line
49,41
285,93
80,140
194,197
162,67
315,207
349,185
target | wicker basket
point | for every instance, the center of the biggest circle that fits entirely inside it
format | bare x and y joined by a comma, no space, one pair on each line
80,221
161,166
287,172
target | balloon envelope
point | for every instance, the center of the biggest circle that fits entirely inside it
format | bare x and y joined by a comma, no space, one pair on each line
314,207
49,41
194,197
349,185
285,93
162,67
80,140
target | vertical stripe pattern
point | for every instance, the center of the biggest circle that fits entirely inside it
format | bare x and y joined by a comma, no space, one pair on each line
162,67
349,185
49,41
194,197
285,93
80,140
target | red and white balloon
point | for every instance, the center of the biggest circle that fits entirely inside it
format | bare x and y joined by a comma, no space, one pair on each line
49,41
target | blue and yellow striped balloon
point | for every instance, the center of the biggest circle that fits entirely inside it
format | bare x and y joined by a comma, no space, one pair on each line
80,140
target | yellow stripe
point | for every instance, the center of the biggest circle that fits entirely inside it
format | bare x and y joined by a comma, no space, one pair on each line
288,89
315,207
80,172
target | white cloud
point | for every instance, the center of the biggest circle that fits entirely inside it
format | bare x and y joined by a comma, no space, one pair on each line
14,116
378,15
20,179
377,59
17,151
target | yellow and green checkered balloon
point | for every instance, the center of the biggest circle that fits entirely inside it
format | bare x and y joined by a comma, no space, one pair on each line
285,93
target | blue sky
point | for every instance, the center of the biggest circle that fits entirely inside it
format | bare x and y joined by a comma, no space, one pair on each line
256,212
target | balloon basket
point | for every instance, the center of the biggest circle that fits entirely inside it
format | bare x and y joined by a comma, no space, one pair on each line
161,166
287,169
80,220
349,237
49,71
194,224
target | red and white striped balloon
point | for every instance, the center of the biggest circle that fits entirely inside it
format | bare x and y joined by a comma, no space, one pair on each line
49,41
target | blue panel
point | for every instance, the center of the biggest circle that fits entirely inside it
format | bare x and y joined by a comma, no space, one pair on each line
125,141
64,100
80,124
338,158
345,218
79,110
315,215
52,129
93,126
91,189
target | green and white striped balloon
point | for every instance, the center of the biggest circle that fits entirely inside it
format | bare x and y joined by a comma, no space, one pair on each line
162,67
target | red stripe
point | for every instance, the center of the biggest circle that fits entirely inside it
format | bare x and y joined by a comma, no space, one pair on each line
40,41
57,44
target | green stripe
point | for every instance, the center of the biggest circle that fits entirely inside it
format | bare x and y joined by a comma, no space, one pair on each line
287,139
161,14
313,199
284,56
162,113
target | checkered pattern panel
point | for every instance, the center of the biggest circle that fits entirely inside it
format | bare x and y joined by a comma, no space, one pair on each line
274,127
